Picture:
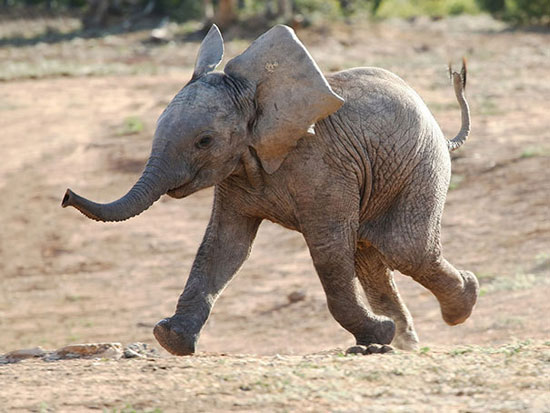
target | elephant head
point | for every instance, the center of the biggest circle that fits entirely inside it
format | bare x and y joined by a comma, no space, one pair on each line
267,98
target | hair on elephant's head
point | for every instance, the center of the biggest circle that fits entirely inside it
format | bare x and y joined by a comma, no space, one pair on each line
267,98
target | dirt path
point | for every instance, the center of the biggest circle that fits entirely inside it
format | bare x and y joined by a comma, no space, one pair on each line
65,279
494,379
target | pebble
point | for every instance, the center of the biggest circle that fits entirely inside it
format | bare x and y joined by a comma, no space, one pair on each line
23,354
140,350
296,296
92,350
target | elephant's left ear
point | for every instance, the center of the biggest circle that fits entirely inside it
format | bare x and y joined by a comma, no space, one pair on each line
210,53
291,92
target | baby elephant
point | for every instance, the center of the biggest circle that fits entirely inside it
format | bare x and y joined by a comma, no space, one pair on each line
354,161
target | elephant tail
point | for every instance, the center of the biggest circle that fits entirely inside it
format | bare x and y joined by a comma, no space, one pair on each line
459,83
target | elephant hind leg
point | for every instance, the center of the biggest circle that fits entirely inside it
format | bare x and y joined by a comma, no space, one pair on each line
384,299
409,240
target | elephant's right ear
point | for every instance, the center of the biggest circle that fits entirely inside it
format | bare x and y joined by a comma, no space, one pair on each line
210,53
291,93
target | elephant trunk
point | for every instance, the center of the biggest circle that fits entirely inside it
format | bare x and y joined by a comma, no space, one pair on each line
151,185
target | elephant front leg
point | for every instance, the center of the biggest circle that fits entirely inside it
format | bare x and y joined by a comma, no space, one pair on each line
225,247
333,257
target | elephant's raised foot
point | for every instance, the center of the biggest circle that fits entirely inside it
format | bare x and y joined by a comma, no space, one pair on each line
173,338
370,349
458,308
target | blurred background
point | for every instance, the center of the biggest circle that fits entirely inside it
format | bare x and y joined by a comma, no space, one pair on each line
128,13
83,82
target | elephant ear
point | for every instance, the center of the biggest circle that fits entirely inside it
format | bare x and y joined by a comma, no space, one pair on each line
210,53
291,93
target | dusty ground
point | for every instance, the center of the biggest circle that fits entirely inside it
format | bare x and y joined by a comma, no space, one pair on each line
65,279
505,379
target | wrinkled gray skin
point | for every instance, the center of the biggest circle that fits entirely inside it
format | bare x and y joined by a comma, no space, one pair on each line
365,186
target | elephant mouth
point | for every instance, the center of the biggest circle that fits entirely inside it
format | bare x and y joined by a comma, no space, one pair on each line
181,191
185,189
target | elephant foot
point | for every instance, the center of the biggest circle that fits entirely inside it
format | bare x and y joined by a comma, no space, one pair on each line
457,308
407,340
381,330
370,349
377,340
170,335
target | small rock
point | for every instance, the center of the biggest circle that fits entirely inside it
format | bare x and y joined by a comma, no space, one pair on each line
92,350
141,350
370,349
163,33
379,349
356,350
296,296
159,35
18,355
387,349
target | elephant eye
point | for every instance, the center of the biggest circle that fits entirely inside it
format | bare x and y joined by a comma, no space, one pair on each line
204,142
